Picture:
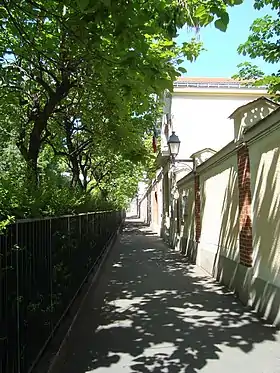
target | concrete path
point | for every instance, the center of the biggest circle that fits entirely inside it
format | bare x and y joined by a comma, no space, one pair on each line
153,312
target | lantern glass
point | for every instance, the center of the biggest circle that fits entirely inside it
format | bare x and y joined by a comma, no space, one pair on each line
173,145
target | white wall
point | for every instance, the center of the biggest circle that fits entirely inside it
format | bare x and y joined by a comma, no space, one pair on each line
219,213
265,186
142,187
133,208
187,233
143,210
201,121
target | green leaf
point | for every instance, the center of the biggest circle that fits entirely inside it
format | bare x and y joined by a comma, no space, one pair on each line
234,2
225,18
203,16
182,70
107,3
83,4
219,24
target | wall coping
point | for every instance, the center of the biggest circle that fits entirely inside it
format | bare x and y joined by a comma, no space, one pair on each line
263,126
252,134
218,157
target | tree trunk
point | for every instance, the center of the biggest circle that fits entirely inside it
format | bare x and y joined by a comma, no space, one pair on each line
31,153
35,142
76,181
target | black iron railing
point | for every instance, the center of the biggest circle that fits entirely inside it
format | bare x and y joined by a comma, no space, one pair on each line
43,264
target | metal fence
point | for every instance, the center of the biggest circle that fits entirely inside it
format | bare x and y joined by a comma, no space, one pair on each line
43,263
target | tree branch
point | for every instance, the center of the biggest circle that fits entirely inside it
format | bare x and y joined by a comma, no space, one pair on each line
56,152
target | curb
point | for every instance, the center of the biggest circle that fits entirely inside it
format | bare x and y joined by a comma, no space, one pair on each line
93,279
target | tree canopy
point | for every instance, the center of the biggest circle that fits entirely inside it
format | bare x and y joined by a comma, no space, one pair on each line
80,82
263,42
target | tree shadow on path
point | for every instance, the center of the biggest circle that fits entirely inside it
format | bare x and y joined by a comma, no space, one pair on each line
161,314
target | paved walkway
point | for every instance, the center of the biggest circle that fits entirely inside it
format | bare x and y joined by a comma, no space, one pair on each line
153,312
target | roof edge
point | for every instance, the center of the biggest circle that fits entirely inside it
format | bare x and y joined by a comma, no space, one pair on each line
261,98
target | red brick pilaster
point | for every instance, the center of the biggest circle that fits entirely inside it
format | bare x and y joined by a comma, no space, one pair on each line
197,208
245,221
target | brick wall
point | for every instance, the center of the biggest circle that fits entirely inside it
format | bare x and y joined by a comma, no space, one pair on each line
197,208
245,221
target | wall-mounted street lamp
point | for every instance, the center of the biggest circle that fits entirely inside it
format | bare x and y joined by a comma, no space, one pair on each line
174,147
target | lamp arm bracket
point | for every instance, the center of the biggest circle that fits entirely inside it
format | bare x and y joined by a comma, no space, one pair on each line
185,160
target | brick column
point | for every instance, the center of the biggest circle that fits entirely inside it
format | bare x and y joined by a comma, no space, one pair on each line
197,208
245,221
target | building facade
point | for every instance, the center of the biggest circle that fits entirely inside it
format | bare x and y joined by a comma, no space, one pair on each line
225,215
198,111
230,225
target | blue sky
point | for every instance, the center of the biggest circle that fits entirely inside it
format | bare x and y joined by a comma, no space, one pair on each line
221,57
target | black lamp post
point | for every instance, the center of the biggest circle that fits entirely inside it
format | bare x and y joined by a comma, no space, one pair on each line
174,147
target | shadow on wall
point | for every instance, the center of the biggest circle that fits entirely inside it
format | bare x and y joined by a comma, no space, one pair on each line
255,115
160,316
228,245
192,237
266,244
188,246
252,116
165,223
260,285
164,232
202,189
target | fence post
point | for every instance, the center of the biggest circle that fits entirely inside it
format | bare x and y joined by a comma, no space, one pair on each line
3,328
50,274
17,302
80,227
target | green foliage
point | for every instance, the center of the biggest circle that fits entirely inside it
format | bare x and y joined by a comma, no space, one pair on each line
264,42
52,197
5,223
249,72
78,86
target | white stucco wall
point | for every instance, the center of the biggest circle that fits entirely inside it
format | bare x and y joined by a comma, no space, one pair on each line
187,232
219,213
142,187
201,120
156,206
265,186
143,210
189,216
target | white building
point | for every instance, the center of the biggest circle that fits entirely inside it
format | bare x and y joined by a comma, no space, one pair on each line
198,111
224,216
